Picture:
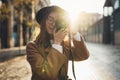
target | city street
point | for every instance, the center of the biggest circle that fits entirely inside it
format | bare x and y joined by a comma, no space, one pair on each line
103,64
28,20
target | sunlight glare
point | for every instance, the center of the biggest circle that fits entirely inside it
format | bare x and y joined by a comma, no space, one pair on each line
83,70
95,6
75,7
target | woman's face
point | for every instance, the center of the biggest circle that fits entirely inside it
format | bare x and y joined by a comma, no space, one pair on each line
50,22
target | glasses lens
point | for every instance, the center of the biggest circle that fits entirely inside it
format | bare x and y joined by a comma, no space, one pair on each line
51,20
61,24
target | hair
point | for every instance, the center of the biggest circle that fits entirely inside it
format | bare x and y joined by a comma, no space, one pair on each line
43,38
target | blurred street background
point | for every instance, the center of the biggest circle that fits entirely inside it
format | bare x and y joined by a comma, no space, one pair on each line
97,20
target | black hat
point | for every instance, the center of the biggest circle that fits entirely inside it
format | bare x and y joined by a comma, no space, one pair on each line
41,14
46,10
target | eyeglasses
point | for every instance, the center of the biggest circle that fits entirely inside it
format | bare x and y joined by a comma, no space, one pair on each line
60,23
51,20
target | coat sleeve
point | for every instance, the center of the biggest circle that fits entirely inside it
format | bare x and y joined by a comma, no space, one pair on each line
34,58
79,50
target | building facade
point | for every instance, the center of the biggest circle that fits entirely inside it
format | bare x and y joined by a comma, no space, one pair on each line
111,22
95,32
107,29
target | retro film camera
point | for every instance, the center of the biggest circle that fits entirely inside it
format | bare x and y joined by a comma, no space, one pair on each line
62,23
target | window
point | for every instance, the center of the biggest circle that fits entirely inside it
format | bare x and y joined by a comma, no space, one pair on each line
116,5
108,11
105,11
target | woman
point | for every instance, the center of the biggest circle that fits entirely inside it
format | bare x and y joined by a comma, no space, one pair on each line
48,55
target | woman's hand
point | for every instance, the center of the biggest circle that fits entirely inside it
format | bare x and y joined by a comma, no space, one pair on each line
59,36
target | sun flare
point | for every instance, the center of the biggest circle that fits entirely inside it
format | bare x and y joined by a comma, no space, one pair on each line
75,7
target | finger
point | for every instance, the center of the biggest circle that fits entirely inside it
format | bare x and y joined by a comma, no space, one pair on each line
60,31
63,30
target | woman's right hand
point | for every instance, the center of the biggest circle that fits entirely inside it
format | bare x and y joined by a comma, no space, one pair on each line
59,36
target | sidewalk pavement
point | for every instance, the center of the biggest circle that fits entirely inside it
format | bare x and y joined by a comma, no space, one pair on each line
13,64
9,53
103,64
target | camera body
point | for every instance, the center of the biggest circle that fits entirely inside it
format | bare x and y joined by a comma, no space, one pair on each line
62,23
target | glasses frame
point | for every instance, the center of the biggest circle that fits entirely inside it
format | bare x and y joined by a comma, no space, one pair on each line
51,20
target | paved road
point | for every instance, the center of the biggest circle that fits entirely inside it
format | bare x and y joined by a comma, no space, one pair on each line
103,64
13,64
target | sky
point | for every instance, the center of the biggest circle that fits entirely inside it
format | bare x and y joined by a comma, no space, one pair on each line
76,6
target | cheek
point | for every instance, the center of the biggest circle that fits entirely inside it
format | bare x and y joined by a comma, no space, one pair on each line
46,26
48,29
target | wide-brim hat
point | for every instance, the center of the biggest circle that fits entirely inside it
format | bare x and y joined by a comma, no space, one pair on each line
40,15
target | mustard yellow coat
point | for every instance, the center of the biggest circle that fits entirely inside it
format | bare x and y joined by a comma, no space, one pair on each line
58,62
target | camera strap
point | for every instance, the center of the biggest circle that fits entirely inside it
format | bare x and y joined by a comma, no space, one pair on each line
71,56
